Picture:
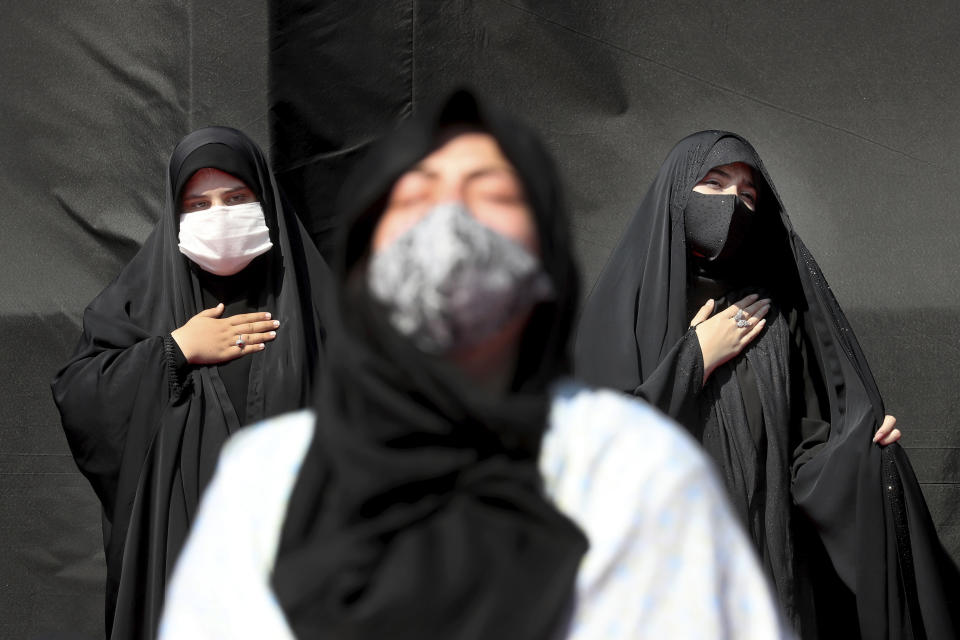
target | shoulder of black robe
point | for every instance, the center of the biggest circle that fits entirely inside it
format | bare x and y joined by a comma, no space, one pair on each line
418,511
147,444
636,317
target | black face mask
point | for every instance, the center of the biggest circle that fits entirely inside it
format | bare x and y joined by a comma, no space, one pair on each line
716,225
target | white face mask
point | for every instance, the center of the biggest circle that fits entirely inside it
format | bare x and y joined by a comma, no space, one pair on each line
223,240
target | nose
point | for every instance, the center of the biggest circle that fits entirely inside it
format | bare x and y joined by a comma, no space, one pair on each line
449,192
454,199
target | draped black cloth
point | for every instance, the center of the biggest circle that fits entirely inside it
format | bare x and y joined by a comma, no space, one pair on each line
418,511
840,523
145,427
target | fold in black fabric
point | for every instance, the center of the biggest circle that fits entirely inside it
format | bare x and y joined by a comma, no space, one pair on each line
144,428
790,419
418,511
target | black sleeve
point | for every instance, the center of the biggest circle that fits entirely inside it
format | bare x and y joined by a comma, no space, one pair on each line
102,395
177,366
674,385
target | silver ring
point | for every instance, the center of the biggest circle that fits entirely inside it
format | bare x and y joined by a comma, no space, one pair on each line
240,343
739,315
743,323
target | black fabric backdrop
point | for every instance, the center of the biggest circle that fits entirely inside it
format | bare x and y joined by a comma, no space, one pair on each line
853,107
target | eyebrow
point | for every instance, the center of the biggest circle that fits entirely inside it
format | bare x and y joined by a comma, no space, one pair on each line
727,176
198,196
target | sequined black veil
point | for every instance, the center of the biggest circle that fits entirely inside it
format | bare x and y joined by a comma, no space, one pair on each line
634,335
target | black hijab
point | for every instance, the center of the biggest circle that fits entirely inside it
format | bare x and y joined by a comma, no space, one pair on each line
418,511
146,435
862,499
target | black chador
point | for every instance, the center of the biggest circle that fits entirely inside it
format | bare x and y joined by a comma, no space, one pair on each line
144,426
839,522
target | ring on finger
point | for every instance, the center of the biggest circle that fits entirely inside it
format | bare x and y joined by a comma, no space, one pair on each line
740,319
240,343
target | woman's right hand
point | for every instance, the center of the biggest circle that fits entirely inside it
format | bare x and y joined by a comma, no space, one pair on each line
720,337
207,338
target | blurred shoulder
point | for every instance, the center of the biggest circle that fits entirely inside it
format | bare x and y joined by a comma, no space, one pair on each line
612,424
277,442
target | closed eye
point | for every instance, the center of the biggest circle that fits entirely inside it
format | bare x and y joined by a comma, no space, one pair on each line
413,201
510,197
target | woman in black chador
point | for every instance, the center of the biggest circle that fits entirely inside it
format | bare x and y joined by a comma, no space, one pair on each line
211,326
712,308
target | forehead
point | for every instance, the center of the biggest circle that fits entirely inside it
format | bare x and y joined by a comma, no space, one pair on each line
464,151
210,179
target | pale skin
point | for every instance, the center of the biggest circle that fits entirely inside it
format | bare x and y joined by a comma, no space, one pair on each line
719,336
206,338
468,166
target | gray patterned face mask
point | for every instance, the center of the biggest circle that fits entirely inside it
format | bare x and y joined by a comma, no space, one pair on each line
451,282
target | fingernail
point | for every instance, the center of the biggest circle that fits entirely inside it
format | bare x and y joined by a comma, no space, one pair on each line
276,323
267,316
262,346
272,334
